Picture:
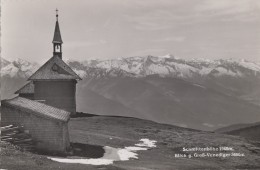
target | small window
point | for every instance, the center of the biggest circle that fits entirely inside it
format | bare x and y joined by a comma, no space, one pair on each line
55,67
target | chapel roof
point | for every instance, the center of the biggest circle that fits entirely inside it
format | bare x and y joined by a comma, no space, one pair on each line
54,69
28,88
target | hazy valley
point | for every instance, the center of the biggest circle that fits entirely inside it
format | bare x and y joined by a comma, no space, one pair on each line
200,94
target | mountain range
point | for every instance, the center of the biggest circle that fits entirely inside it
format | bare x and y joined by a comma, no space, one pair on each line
195,93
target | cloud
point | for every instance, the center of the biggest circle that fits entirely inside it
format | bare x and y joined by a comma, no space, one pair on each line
171,39
169,15
152,3
107,23
189,12
86,43
150,51
155,20
227,6
242,10
102,41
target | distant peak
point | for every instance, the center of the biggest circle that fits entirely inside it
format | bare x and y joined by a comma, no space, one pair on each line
169,56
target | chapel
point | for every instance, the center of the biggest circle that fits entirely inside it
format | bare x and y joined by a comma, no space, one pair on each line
54,83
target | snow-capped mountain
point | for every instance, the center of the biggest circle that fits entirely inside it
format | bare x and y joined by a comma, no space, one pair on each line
238,78
166,66
4,62
17,68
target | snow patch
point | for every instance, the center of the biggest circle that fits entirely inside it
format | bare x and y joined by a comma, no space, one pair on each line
147,143
181,125
205,70
112,154
157,69
165,56
125,154
80,73
224,71
199,86
10,70
208,125
250,65
84,161
134,148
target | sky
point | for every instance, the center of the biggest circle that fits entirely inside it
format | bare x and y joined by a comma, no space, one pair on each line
105,29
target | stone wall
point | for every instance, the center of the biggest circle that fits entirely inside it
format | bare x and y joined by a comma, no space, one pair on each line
50,135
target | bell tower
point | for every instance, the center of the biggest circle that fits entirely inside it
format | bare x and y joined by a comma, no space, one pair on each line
57,41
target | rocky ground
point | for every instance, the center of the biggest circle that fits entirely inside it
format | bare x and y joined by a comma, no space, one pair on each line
120,132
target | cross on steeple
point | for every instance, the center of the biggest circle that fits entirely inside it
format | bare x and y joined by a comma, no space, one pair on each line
57,15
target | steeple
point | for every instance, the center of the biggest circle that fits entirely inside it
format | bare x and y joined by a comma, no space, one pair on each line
57,41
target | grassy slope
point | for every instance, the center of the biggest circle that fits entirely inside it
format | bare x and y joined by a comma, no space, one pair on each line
120,132
14,159
235,127
127,132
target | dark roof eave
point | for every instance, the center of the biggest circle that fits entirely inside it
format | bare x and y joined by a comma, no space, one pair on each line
57,42
29,111
22,93
54,79
5,102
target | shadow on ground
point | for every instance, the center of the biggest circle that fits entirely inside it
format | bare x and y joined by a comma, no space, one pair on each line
77,150
85,150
